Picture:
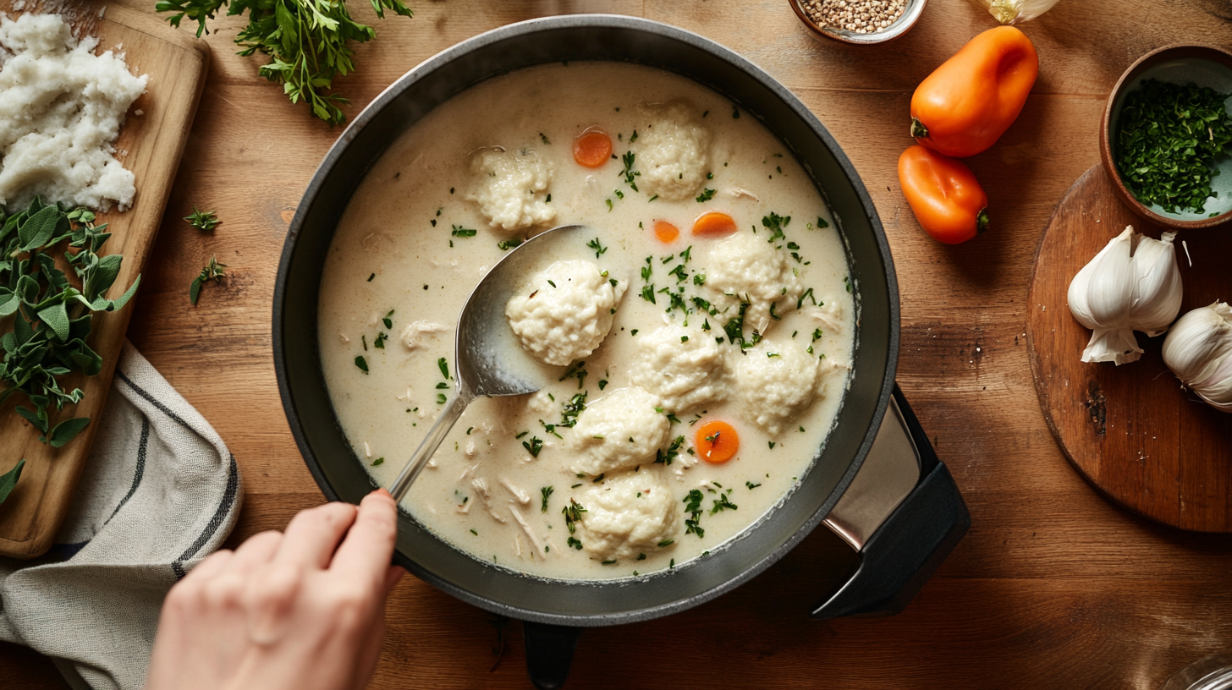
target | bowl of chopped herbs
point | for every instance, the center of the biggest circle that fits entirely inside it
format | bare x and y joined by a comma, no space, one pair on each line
1166,139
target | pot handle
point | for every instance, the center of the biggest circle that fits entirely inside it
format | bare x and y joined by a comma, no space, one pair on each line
903,513
549,653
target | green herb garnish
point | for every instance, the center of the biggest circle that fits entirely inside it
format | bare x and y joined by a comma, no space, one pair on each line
545,492
306,41
1167,140
45,338
204,221
693,506
211,272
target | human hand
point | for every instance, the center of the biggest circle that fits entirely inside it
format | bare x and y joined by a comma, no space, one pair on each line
296,610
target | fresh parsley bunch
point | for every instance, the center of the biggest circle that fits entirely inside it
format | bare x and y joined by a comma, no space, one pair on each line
306,40
51,318
1168,139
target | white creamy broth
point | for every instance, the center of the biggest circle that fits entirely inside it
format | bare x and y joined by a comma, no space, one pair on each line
402,246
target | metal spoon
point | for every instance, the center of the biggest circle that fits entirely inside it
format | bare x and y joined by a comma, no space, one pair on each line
488,359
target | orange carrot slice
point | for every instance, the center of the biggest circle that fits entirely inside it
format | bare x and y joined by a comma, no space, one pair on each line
592,149
714,224
716,441
666,232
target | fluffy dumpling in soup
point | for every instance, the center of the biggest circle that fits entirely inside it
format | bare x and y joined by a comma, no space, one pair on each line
620,431
749,268
511,188
682,365
673,152
565,312
776,382
628,515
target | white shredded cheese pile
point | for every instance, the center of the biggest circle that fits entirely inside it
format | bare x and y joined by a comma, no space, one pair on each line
61,108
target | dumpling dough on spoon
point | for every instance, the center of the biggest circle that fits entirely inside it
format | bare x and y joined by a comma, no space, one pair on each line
565,312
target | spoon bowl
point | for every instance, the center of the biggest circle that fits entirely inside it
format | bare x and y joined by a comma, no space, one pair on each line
488,359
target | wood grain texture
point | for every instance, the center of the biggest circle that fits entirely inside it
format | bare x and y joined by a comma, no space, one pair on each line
1131,430
150,146
1053,587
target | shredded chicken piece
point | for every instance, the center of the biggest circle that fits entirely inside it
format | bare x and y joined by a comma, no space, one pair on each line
485,495
517,545
468,472
464,509
740,192
830,316
367,450
340,335
526,528
470,449
432,464
415,331
521,496
406,397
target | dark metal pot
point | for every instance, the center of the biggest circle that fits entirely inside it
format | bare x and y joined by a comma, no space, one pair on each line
876,481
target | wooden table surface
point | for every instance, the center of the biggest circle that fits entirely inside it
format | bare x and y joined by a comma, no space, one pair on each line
1053,587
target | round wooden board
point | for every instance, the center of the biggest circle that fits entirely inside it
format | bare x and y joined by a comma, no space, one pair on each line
1131,430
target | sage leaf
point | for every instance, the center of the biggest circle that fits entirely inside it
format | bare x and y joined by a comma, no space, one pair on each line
8,480
67,430
56,317
38,228
38,419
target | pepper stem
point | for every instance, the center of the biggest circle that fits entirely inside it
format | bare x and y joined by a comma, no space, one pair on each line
918,130
981,221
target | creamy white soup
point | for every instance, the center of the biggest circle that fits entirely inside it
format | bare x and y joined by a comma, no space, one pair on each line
699,346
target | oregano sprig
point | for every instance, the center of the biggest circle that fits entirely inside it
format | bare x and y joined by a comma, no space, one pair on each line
51,317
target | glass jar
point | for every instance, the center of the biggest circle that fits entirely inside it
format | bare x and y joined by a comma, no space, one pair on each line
1015,11
1211,673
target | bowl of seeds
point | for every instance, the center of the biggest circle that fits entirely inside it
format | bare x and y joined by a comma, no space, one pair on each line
860,22
1166,139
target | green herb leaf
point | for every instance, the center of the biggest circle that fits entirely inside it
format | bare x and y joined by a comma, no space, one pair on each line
307,41
67,430
1168,137
8,480
204,221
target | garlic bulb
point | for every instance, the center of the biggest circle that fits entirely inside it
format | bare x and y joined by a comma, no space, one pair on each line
1199,352
1133,284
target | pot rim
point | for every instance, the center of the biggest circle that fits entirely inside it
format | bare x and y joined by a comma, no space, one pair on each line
663,32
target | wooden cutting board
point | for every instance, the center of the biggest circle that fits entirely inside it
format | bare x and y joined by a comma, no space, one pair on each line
150,145
1131,430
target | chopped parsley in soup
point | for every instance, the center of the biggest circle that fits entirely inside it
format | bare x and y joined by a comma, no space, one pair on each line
700,344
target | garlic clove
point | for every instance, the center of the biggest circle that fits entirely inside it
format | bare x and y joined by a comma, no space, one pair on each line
1101,291
1157,298
1199,351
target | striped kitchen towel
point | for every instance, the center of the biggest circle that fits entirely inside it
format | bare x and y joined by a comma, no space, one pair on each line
159,493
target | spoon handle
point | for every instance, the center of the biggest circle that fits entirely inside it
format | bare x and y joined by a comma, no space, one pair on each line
449,416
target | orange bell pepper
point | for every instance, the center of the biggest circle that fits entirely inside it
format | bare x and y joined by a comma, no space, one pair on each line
964,106
944,195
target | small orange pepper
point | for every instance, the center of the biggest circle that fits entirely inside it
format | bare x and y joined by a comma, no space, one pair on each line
964,106
944,195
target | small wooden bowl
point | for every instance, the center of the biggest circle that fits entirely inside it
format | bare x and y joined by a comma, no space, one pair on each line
902,25
1180,64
